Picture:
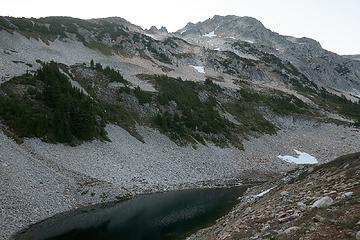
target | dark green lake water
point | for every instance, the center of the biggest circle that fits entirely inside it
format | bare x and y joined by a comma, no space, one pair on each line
171,215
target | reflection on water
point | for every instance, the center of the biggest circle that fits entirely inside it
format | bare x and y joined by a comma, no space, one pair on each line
171,215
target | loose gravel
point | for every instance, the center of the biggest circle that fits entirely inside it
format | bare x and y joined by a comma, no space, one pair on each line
39,179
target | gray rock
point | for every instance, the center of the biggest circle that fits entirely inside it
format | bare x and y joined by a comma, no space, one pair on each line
323,202
325,68
248,210
284,193
348,194
291,230
302,206
358,235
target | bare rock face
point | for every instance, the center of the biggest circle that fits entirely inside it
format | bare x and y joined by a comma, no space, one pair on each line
317,64
155,30
358,235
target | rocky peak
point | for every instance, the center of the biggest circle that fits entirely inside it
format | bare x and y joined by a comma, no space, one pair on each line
163,29
154,30
225,24
309,41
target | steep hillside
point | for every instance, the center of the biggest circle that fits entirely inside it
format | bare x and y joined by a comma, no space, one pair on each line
311,203
354,57
318,65
71,104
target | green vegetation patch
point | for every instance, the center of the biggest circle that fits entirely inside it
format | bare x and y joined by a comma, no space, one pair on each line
277,101
329,101
340,104
250,118
194,118
54,112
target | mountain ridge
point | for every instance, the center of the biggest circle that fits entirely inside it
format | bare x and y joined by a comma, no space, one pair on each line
99,110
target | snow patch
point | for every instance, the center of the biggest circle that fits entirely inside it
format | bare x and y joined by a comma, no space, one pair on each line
303,158
200,69
149,35
249,41
355,92
232,38
216,49
183,31
210,34
264,192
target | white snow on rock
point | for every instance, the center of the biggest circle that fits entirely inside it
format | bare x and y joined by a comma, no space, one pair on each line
264,192
200,69
216,49
355,92
249,41
183,31
210,34
303,158
149,35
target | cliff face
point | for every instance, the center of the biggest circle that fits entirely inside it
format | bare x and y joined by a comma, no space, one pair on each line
310,203
173,52
320,66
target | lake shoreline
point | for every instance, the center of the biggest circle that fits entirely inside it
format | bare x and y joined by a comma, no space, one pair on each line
104,205
41,180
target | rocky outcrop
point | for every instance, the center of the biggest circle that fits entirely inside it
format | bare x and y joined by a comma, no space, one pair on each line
323,202
317,64
310,203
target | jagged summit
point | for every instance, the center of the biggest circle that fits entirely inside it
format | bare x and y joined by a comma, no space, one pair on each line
222,24
154,30
220,33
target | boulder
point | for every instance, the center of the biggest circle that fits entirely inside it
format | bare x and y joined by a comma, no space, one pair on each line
323,202
291,230
284,193
348,194
301,206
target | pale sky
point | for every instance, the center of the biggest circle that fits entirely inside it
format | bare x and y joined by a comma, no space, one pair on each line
334,23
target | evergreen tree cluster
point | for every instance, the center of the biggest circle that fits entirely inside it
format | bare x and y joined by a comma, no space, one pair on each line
196,116
114,75
58,113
